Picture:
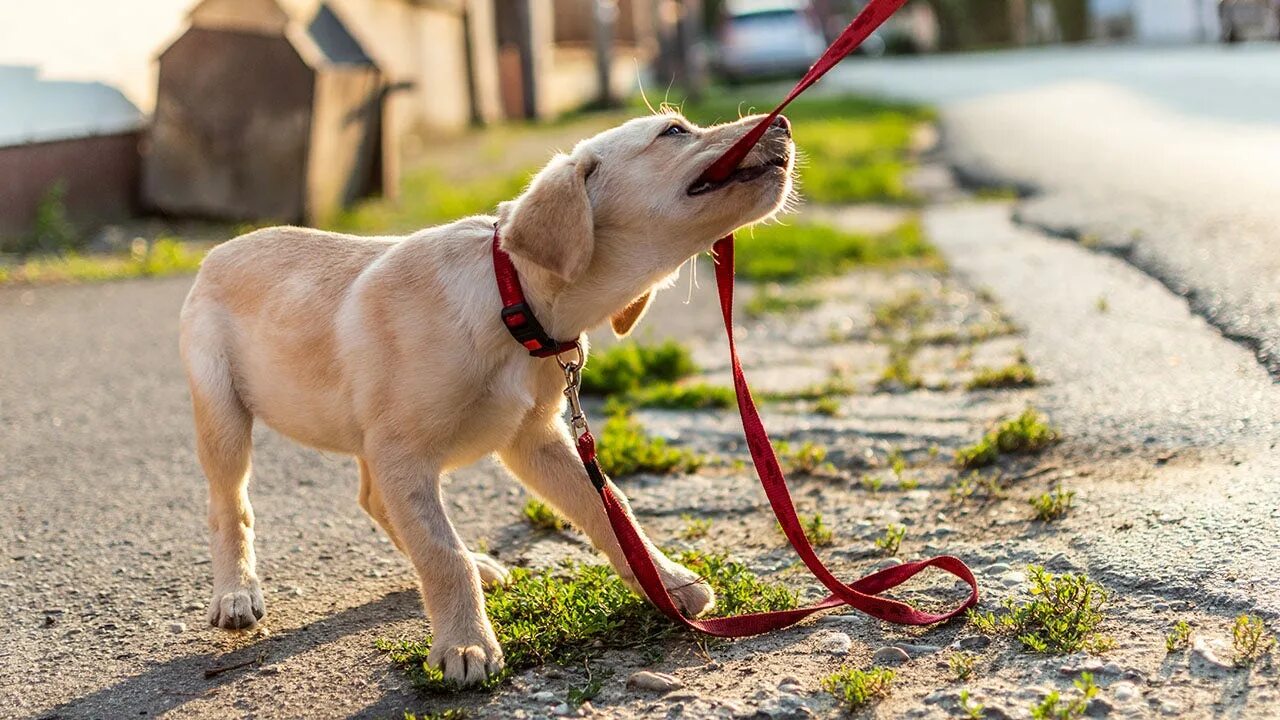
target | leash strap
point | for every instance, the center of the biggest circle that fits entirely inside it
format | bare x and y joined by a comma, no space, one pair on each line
862,594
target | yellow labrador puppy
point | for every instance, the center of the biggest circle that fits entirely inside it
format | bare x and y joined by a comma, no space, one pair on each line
392,350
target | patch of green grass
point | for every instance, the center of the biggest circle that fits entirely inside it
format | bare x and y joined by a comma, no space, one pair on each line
962,664
858,148
692,396
1062,616
1179,637
1013,375
166,256
1052,505
450,714
904,310
629,366
806,459
815,530
828,406
773,299
787,253
595,683
897,375
889,542
1250,639
542,517
871,483
625,449
429,197
1026,434
996,193
1054,707
835,384
578,612
694,528
971,709
854,688
976,485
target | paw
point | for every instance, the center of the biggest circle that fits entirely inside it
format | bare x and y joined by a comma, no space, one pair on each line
468,661
237,608
692,594
492,572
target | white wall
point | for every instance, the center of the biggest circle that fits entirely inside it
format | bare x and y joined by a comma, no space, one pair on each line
1175,20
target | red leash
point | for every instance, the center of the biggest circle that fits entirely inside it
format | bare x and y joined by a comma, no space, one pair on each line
861,594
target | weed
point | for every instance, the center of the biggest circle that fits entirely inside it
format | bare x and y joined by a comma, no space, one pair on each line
625,449
595,683
694,528
630,366
542,517
835,384
580,611
962,664
905,483
1062,616
807,459
996,193
891,540
1179,637
787,253
973,710
1053,707
828,406
1250,639
854,688
450,714
694,396
1025,434
1102,305
1014,375
974,484
817,532
1052,505
871,483
51,229
771,299
897,375
902,311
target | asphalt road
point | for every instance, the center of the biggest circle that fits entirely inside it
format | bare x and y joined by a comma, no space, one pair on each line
1166,156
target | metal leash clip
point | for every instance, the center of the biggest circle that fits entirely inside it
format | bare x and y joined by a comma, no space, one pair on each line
572,385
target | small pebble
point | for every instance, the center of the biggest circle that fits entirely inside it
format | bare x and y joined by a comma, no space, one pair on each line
889,656
654,681
973,642
543,696
1206,652
834,643
917,650
561,710
1124,691
177,627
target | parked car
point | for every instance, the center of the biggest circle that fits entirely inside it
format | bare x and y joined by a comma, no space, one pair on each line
765,38
1249,20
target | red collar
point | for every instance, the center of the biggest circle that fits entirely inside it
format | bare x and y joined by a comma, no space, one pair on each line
517,316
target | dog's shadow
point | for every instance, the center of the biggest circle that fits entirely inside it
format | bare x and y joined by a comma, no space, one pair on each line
169,685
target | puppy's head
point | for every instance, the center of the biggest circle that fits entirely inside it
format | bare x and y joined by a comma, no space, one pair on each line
625,208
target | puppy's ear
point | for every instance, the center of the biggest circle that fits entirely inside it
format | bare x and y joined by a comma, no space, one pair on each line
626,318
551,224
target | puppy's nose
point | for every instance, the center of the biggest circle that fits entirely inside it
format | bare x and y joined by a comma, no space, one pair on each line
782,122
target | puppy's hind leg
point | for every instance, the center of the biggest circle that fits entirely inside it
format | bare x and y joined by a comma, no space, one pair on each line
223,441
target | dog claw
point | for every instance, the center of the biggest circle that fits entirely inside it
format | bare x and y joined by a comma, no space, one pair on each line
237,609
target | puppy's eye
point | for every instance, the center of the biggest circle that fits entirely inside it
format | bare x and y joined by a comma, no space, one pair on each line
674,129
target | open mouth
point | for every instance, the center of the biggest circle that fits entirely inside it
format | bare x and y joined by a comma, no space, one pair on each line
742,174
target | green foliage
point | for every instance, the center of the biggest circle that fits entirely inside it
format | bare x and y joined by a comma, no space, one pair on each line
787,253
1062,616
692,396
1052,505
891,540
624,448
1014,375
835,384
630,366
1179,637
897,375
854,688
694,528
976,485
871,483
450,714
973,710
542,517
165,256
828,406
430,197
1054,707
815,530
962,664
807,459
577,696
1251,639
578,612
51,229
904,310
772,299
1026,434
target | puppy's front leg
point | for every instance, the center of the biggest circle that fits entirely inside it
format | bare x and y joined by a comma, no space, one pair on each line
543,457
463,646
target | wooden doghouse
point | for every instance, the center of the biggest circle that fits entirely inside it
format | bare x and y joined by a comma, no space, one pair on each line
264,116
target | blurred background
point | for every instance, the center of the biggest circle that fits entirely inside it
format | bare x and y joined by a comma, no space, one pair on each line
294,110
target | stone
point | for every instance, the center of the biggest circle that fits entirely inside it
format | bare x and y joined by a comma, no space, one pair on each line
1208,653
916,651
561,710
889,656
834,643
543,696
1170,707
654,681
177,627
971,643
1099,707
1124,691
